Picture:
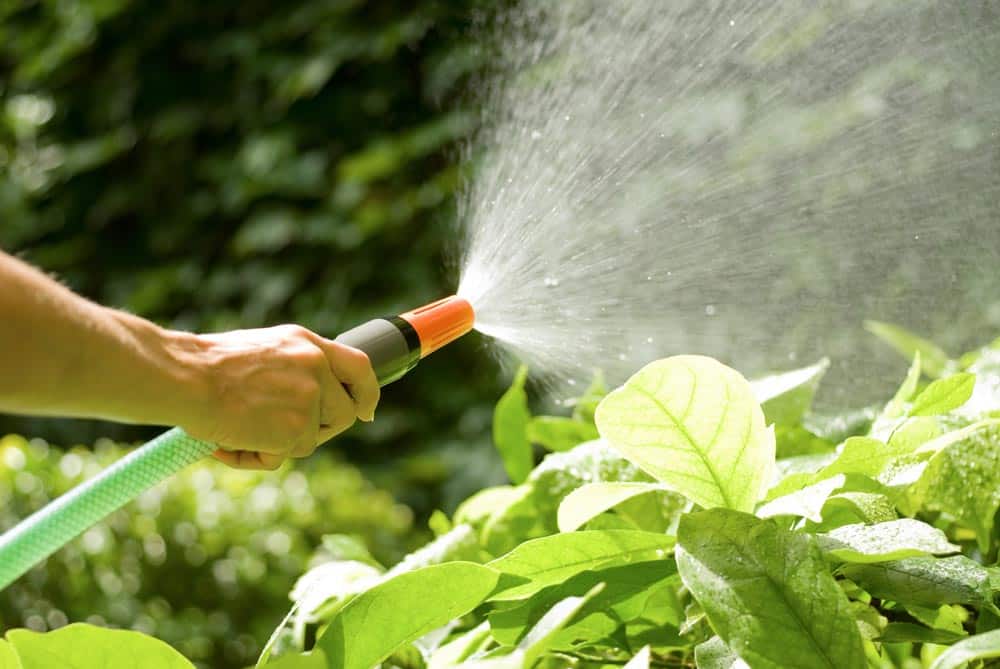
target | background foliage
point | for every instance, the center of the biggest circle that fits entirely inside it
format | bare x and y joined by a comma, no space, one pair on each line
241,164
238,164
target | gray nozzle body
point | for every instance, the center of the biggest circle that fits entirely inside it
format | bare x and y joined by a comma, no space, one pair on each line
392,346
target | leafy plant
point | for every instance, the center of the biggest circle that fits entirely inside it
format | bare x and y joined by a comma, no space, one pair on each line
708,526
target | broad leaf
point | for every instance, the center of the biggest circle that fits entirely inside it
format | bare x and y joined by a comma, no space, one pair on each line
924,581
339,579
933,359
457,544
312,660
84,646
884,542
964,481
459,649
787,397
805,503
847,508
979,647
401,609
715,654
595,498
510,429
944,395
557,433
549,560
695,425
912,633
767,592
627,588
538,639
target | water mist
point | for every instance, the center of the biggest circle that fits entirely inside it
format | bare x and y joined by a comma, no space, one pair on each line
745,179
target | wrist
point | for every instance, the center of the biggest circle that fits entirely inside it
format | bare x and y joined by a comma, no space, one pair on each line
173,387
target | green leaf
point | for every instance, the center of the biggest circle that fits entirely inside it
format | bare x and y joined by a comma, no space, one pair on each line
348,547
8,659
715,654
459,649
586,404
944,395
401,609
510,429
949,618
847,508
933,359
805,503
963,480
767,592
84,646
558,433
640,660
912,633
312,660
459,543
627,589
593,499
924,581
787,397
910,383
539,638
884,542
979,647
694,424
476,510
554,559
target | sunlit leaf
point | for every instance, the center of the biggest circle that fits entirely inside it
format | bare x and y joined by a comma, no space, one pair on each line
695,425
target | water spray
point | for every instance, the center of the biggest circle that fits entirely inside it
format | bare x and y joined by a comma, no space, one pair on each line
394,346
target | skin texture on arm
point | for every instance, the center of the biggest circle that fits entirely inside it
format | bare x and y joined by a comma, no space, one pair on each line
261,395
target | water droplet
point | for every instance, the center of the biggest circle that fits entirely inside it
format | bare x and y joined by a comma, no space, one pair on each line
709,309
649,278
649,340
536,135
551,281
572,382
732,22
622,357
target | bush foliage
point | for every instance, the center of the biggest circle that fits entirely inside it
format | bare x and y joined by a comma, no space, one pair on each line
203,562
714,523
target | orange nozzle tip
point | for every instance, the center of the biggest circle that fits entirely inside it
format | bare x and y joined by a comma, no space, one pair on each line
440,323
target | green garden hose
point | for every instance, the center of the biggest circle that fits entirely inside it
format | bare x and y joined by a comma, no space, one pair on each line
394,346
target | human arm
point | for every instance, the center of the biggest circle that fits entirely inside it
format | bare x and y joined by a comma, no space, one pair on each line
261,395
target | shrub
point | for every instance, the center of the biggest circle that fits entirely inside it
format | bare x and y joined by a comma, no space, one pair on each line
204,561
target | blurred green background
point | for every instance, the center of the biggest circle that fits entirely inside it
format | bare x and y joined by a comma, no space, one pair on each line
241,164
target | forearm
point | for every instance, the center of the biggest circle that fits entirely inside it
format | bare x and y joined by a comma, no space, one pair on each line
63,355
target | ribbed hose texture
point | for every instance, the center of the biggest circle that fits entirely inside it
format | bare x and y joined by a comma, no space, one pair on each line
49,529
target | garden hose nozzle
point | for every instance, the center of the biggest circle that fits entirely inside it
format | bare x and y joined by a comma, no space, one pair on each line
394,346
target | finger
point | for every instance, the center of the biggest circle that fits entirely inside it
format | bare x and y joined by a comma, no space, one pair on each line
354,370
248,459
305,451
338,412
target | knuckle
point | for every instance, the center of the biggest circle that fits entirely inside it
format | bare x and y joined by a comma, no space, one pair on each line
294,331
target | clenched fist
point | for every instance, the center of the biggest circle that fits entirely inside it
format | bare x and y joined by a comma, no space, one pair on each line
279,392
